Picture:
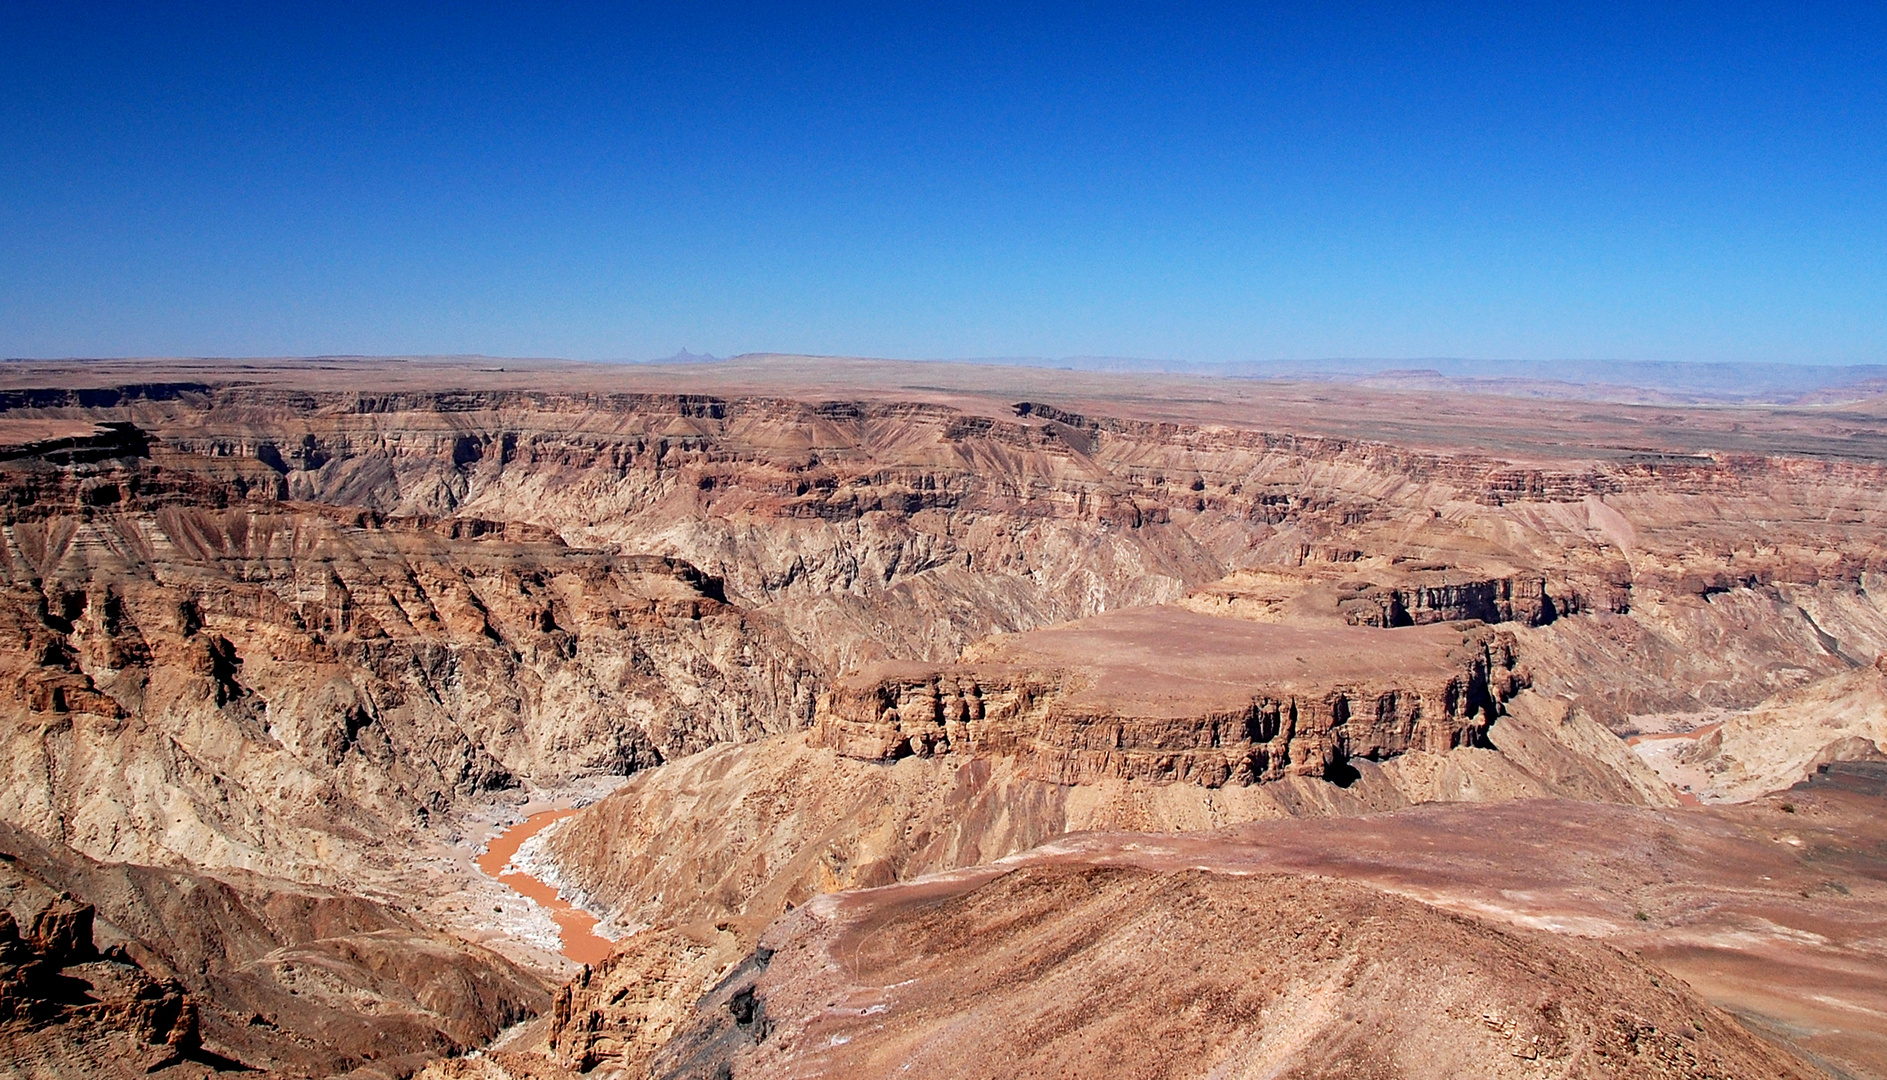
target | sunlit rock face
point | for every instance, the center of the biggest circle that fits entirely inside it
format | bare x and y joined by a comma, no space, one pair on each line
833,644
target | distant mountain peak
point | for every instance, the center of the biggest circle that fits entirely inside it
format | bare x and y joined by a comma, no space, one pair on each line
686,357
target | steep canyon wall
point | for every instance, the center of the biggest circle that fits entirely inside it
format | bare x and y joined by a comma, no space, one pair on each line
248,629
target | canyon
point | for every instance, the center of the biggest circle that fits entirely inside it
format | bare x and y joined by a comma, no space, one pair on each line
829,678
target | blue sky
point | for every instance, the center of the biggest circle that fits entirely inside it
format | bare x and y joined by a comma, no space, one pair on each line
1189,182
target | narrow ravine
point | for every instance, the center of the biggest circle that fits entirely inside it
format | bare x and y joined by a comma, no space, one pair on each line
581,942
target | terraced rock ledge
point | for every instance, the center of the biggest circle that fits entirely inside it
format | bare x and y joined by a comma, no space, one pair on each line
1167,694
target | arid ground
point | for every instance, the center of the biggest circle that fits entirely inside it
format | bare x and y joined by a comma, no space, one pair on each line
830,717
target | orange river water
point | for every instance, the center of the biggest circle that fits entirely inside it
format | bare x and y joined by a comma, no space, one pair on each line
580,939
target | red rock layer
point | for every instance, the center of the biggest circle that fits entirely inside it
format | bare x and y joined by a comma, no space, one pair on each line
1164,694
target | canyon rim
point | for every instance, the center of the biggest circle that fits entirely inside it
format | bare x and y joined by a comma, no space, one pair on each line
866,717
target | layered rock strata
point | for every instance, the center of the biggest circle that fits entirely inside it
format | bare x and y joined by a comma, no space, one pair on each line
210,973
702,853
897,530
65,1006
192,674
297,630
1387,591
1165,694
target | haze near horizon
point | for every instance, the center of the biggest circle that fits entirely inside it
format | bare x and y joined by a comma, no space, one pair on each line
1210,185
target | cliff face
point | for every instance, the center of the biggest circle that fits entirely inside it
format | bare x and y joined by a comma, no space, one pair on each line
701,854
1161,694
391,567
197,674
269,628
117,969
883,531
300,634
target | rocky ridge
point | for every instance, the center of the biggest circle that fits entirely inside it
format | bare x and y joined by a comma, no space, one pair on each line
299,633
65,1005
1036,971
1160,694
291,682
1771,910
192,973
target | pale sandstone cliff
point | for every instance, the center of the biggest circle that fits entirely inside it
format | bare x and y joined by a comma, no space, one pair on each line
300,631
198,677
1782,741
1164,694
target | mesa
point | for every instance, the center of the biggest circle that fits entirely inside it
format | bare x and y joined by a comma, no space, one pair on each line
754,664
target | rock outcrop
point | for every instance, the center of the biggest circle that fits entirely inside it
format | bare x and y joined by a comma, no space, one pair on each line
66,1006
1163,694
300,631
1386,591
112,967
194,676
1118,972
